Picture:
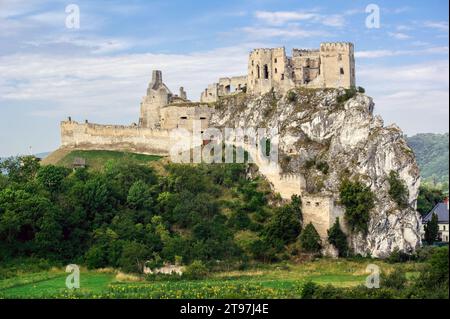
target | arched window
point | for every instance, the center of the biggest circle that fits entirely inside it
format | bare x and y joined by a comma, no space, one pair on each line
258,72
266,71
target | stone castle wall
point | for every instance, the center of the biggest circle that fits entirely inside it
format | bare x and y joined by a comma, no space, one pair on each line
115,137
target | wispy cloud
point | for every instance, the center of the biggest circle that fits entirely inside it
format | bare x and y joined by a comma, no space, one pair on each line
390,53
439,25
278,18
291,32
399,35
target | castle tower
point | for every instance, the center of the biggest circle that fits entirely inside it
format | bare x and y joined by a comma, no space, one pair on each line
158,95
337,67
267,69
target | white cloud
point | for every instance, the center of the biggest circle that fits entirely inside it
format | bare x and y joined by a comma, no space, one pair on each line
399,35
389,53
439,25
96,86
414,96
291,32
278,18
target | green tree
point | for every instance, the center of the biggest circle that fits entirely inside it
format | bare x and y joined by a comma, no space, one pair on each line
20,169
139,196
398,190
428,198
134,255
432,229
52,177
338,239
310,239
358,200
286,223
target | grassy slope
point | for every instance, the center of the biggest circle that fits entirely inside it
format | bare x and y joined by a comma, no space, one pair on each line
282,281
96,159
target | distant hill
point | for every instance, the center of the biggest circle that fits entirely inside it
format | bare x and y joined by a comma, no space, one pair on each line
432,156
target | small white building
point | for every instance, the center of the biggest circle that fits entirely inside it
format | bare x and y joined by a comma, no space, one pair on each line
441,211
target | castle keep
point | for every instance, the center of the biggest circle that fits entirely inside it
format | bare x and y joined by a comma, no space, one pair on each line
161,111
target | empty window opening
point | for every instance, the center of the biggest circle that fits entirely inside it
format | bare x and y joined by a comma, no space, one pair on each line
202,118
276,70
275,60
282,76
183,117
266,71
258,73
317,204
342,70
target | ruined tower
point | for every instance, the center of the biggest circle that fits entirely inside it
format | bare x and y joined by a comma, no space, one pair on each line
337,64
158,95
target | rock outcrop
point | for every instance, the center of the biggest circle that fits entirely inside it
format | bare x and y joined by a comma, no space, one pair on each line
324,139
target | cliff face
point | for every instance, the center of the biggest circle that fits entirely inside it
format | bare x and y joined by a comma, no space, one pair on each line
326,139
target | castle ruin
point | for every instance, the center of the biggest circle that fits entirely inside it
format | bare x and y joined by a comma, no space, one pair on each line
161,111
331,66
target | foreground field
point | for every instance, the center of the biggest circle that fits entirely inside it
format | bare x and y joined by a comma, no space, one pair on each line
274,281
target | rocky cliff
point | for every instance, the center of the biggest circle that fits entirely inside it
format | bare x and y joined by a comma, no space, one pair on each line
326,135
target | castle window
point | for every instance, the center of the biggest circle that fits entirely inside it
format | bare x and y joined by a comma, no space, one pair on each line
183,118
317,204
282,76
308,203
266,71
275,61
342,70
276,70
202,118
253,62
293,75
258,71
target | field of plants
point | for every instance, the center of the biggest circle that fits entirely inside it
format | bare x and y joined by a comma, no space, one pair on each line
284,280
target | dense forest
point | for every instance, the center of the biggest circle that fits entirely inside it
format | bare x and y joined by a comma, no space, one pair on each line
126,214
432,156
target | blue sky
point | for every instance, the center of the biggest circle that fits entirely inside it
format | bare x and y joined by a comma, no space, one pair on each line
100,71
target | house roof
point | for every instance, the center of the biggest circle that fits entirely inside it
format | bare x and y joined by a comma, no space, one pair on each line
441,210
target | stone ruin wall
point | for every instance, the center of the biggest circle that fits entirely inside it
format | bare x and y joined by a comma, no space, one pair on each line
87,136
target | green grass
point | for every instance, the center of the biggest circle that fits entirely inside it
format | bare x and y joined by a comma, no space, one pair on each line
97,159
264,281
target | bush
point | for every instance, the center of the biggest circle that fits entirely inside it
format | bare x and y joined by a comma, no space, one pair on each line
196,270
338,239
398,190
310,239
358,200
395,280
291,96
398,256
432,230
361,89
348,94
308,290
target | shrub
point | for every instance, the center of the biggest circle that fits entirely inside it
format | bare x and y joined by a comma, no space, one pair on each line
398,190
310,239
395,280
291,96
139,196
308,290
358,200
196,270
348,94
361,89
398,256
338,239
